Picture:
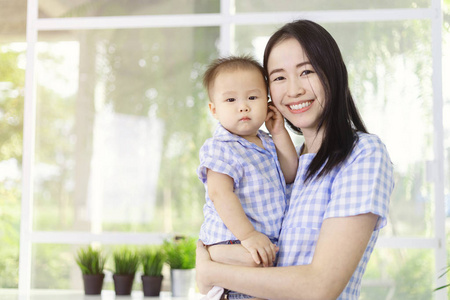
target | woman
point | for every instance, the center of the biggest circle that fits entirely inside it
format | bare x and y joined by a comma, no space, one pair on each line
340,196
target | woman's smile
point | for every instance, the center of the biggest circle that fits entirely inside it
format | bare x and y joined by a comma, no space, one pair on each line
300,107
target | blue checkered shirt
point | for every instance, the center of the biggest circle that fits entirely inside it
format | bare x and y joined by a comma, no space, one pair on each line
362,184
258,183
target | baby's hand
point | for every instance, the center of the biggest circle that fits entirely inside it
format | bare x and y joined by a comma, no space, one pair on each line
261,248
274,121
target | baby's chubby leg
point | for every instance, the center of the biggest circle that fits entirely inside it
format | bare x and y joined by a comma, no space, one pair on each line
234,254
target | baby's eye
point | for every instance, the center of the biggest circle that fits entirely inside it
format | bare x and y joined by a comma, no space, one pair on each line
230,100
252,98
278,78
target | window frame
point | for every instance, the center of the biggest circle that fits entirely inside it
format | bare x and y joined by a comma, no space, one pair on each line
226,20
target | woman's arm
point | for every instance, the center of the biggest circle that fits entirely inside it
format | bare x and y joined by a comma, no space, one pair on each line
229,208
287,155
341,244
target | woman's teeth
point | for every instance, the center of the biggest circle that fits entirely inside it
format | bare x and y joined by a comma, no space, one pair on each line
301,105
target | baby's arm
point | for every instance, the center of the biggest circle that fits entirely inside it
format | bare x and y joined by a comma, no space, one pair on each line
287,155
229,208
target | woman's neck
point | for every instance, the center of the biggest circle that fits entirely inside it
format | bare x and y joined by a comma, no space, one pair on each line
313,141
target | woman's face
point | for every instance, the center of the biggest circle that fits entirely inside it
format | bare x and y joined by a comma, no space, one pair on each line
295,87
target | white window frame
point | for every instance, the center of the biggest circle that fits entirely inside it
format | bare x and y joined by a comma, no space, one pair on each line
226,20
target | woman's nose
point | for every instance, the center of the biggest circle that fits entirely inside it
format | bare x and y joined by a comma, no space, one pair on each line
295,89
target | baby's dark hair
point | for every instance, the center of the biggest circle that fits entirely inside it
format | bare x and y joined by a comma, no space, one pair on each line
232,63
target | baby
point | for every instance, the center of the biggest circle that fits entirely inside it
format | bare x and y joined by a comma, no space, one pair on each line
244,169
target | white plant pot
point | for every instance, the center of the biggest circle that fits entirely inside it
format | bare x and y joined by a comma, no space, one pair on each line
183,282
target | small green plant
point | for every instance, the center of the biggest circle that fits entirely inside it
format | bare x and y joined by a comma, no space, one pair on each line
90,261
447,269
153,259
181,252
126,261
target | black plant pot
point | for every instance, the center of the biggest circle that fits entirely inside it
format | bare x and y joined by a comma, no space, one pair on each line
123,284
151,285
93,283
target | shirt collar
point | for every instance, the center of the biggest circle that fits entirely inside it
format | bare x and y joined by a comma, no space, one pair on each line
224,135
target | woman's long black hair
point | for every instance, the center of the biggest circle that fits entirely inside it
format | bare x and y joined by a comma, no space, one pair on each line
340,117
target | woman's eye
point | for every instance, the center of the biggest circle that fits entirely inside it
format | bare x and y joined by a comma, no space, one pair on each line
306,72
230,100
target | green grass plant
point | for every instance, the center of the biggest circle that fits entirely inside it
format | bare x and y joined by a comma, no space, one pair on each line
152,260
126,261
181,252
447,269
90,261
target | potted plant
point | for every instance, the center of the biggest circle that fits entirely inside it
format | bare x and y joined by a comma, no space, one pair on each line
181,259
91,263
152,260
126,264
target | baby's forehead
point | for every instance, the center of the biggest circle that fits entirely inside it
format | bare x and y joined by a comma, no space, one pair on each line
235,74
230,70
241,69
238,69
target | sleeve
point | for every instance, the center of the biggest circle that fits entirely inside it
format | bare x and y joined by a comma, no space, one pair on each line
364,184
219,157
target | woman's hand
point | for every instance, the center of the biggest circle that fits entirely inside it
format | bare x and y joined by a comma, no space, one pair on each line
202,264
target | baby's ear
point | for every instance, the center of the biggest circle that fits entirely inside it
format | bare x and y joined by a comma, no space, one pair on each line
212,109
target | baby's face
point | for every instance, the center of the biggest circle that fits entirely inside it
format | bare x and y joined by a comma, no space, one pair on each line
239,101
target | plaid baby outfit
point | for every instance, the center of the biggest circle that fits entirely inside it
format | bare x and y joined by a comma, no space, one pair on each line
258,183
